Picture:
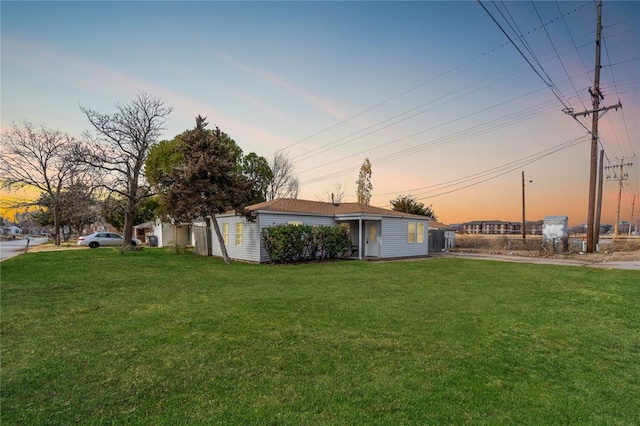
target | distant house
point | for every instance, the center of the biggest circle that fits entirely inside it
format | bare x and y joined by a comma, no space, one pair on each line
166,234
492,227
12,230
375,232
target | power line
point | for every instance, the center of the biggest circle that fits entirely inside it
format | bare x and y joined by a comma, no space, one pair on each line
558,56
402,93
411,89
494,172
549,83
480,129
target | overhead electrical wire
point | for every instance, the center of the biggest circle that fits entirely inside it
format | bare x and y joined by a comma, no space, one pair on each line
558,56
305,156
573,41
335,143
480,129
310,154
498,171
549,83
398,95
404,92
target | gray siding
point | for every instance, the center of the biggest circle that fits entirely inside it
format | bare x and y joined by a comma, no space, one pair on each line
249,250
393,238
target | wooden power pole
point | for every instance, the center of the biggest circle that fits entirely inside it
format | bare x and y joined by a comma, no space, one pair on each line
596,234
524,220
596,96
620,177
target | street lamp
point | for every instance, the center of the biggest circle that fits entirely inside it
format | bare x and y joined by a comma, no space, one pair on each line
524,223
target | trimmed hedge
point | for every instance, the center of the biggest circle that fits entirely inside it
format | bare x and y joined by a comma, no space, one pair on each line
300,243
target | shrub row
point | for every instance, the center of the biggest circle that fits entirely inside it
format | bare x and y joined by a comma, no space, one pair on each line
297,243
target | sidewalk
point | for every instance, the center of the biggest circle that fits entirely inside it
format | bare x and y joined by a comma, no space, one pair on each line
630,265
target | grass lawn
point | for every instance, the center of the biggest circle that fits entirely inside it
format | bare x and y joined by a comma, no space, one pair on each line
151,337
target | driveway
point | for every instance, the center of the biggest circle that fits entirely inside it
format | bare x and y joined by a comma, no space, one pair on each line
11,248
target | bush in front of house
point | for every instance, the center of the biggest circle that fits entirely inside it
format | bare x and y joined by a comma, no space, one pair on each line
332,241
297,243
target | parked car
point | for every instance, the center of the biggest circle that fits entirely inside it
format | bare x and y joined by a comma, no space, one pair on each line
102,238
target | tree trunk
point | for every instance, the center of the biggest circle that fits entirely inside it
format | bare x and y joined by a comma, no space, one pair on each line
127,229
56,225
223,248
175,237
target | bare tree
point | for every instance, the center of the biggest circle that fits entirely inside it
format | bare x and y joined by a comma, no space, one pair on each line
39,159
120,146
335,195
285,183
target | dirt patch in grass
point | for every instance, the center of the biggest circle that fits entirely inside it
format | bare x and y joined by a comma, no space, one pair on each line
52,247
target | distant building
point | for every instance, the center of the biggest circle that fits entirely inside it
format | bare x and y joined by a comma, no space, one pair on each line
534,227
492,227
12,230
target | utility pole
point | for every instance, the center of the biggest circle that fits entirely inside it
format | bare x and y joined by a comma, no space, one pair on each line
524,222
599,207
633,206
620,177
596,96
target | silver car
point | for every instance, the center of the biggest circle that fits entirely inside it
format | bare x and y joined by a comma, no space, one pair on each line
103,238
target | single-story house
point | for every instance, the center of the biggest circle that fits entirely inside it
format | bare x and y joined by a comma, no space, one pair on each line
12,230
375,232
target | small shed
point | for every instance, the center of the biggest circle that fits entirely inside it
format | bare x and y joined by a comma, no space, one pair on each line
441,237
555,228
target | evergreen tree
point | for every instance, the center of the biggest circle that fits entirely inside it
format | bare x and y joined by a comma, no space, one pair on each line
209,183
406,203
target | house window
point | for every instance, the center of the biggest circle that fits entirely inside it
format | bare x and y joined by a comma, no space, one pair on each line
294,222
420,239
225,232
411,232
239,233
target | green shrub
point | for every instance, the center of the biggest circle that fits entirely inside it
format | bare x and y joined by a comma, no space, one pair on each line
332,241
296,243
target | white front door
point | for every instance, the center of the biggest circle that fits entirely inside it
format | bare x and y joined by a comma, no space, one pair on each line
371,238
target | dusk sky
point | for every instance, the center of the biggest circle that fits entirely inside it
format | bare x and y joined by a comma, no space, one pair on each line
433,93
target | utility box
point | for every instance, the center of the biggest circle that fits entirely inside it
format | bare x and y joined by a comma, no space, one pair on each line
555,228
152,240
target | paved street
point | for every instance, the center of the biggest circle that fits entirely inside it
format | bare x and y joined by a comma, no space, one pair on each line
10,248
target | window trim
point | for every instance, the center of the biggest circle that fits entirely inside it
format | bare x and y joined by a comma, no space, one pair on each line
239,234
225,232
411,233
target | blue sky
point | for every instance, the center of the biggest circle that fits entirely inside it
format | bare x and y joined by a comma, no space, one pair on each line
433,93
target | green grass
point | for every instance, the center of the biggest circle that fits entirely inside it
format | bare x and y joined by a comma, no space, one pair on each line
95,337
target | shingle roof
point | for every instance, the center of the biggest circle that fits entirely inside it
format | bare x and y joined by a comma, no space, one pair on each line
291,205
